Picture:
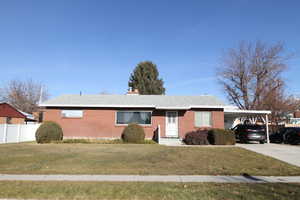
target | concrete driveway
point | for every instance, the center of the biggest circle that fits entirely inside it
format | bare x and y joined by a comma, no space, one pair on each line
286,153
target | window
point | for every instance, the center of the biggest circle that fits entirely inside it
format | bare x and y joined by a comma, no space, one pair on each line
139,117
72,113
203,119
8,120
171,117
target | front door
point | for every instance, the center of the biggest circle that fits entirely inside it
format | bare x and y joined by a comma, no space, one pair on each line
171,124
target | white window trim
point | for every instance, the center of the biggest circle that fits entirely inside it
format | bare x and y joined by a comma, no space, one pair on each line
61,114
211,120
116,123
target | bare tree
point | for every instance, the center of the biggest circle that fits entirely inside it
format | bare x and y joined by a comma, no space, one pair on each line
280,104
251,76
24,95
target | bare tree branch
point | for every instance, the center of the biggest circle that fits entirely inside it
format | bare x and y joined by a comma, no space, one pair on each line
251,77
24,95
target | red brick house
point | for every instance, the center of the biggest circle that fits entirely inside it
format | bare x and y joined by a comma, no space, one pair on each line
11,115
297,114
105,116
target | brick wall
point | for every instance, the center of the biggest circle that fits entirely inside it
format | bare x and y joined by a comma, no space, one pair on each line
187,120
2,120
100,123
13,120
17,121
297,114
96,123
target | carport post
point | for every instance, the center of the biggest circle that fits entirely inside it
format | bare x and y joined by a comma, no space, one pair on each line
267,128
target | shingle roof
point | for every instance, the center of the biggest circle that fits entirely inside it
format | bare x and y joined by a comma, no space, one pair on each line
146,101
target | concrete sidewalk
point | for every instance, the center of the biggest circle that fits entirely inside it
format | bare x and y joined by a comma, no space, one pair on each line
153,178
287,153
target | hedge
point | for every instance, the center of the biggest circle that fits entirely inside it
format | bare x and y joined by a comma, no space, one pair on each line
198,137
221,137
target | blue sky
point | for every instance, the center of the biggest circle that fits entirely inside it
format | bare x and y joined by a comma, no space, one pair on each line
93,46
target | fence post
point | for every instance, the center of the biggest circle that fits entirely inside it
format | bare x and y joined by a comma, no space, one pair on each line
19,132
5,133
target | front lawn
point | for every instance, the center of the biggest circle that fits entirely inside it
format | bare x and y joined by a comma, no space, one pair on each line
153,191
136,159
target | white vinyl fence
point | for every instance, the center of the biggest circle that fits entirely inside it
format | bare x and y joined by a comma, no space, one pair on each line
14,133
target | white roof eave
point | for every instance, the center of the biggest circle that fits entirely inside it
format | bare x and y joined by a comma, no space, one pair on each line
96,106
236,111
171,108
130,106
207,106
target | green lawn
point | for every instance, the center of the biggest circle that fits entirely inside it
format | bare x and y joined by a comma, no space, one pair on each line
136,159
145,191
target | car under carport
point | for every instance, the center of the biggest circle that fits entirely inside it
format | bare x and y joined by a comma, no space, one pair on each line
232,114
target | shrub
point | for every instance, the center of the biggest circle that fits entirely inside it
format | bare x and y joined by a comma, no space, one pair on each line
146,141
75,141
133,133
90,141
48,132
98,141
198,137
221,137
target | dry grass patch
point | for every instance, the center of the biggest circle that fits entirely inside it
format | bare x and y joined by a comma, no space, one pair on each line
145,191
136,159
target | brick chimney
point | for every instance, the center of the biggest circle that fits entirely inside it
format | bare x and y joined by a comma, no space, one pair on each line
132,92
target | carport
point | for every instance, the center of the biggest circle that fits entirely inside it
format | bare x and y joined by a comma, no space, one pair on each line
231,114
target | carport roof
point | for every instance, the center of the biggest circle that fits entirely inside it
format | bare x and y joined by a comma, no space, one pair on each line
234,111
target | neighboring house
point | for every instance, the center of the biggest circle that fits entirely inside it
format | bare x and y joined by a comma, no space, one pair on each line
105,116
11,115
294,120
297,114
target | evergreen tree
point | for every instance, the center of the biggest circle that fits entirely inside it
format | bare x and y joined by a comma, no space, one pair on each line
145,79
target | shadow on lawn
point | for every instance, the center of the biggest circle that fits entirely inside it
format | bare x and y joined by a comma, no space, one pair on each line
252,178
272,190
263,189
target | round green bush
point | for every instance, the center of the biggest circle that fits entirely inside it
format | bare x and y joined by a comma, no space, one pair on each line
133,133
48,132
